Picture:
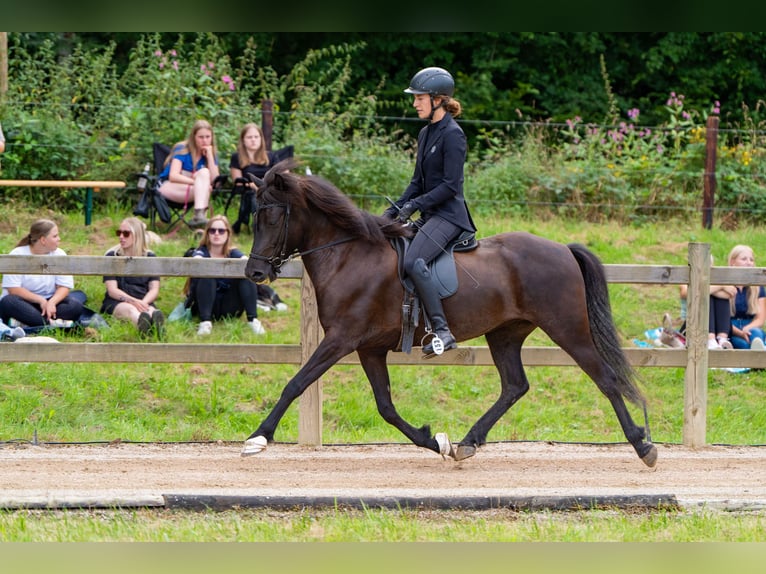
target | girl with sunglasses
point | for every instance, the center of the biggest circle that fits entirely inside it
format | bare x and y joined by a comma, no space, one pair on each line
132,298
212,299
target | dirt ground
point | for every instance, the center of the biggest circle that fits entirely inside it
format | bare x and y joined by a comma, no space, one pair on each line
728,476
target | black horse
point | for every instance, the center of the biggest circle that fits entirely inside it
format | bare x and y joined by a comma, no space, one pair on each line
508,286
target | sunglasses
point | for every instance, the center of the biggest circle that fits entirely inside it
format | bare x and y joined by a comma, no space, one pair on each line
121,233
217,230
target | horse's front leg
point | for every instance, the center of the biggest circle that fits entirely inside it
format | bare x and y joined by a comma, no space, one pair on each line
329,352
376,369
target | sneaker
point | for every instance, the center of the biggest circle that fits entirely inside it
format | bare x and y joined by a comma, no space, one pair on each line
144,323
713,344
725,343
257,328
205,328
757,344
281,306
61,323
17,333
264,307
158,319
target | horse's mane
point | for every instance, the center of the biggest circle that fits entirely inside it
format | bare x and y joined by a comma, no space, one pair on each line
281,185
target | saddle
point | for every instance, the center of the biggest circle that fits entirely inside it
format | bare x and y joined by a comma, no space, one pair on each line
443,274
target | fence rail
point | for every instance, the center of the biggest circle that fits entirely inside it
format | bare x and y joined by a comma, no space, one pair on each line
696,358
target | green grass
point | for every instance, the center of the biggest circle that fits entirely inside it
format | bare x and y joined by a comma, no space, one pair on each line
345,525
160,402
168,402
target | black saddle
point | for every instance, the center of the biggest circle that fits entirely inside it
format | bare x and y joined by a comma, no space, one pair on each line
443,274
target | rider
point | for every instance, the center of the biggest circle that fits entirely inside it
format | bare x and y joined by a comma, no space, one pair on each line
436,191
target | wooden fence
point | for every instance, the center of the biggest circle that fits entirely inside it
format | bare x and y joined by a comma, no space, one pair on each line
696,358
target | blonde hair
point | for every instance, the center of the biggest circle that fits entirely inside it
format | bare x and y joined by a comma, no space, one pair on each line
189,145
260,157
751,290
140,238
205,242
228,246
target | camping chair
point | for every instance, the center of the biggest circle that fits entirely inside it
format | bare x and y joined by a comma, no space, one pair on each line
153,205
247,194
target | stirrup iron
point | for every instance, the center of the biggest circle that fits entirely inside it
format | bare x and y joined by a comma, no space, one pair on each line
437,344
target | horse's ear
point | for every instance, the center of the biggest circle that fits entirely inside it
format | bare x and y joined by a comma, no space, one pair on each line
256,180
279,181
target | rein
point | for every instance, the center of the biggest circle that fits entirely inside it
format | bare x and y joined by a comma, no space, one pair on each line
280,257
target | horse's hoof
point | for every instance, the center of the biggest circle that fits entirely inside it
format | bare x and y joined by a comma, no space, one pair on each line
650,458
254,446
445,446
464,451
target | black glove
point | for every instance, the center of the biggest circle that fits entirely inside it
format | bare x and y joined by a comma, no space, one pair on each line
406,210
391,212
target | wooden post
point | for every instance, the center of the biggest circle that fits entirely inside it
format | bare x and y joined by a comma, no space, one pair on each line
310,402
695,378
267,122
711,144
3,64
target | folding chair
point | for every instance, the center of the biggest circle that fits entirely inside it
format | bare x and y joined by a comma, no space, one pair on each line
247,195
155,205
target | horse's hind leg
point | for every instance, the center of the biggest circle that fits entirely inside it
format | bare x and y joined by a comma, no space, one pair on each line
374,365
608,383
505,347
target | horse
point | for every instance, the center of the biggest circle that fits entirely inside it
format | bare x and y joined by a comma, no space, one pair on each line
509,285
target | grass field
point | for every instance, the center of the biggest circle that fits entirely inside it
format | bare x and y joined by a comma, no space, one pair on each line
95,402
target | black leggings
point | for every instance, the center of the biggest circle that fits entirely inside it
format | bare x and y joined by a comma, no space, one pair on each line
720,316
430,241
14,307
211,305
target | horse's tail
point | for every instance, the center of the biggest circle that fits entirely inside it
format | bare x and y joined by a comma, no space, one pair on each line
602,325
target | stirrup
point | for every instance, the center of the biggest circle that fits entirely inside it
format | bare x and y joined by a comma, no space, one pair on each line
437,345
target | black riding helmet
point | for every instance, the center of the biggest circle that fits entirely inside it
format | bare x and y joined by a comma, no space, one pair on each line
433,81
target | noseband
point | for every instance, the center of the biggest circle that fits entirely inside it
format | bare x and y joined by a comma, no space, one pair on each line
280,256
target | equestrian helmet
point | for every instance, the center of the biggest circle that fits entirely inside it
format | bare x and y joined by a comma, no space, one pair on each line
433,81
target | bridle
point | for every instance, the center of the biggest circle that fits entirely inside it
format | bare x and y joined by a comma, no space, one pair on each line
280,256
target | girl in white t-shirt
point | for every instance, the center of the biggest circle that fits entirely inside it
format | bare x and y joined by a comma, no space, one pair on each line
40,300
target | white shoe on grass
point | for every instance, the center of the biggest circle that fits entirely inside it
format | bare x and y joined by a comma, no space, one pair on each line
281,306
205,328
257,328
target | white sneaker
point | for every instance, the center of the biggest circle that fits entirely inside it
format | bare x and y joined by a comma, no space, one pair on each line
205,328
726,344
263,307
713,344
257,328
17,333
281,306
757,345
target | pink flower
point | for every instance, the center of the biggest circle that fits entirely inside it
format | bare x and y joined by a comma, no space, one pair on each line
175,65
226,79
158,53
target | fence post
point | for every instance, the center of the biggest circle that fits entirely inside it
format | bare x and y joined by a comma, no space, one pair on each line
310,402
695,378
711,145
267,122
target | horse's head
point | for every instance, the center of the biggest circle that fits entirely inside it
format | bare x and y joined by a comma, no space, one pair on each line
272,246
